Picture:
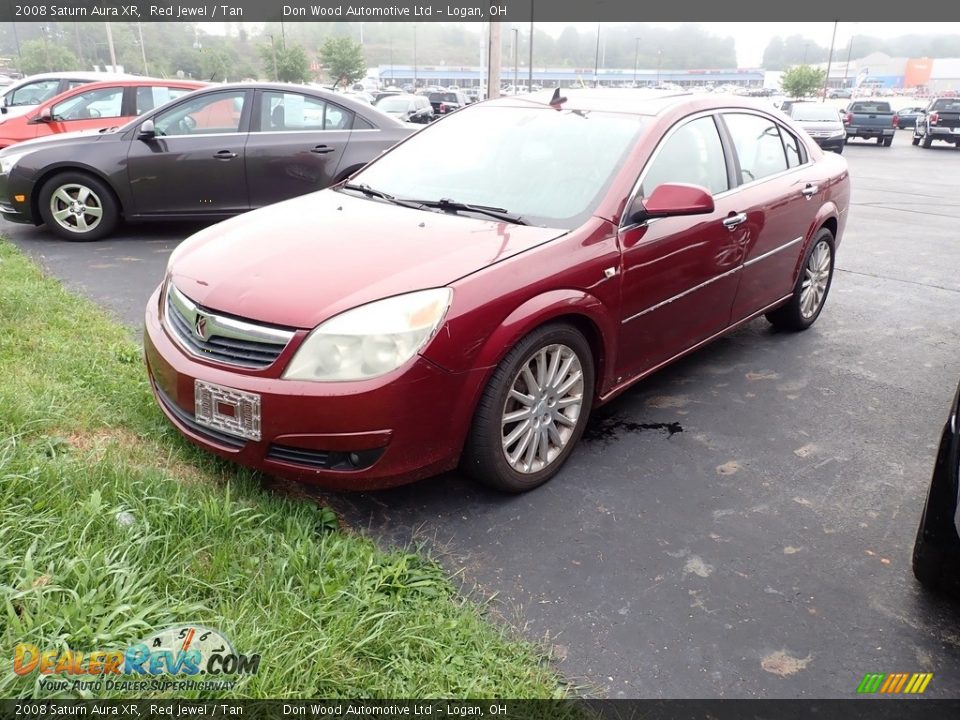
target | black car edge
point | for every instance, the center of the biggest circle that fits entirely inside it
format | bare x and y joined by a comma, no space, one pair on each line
936,553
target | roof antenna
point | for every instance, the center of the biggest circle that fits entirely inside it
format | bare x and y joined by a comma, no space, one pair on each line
556,101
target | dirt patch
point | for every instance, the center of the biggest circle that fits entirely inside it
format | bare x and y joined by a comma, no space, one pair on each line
94,444
783,663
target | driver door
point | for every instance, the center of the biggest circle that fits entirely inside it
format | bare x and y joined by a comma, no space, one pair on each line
87,110
194,166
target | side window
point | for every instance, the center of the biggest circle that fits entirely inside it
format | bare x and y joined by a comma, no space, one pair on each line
281,111
694,155
33,93
337,118
149,98
101,103
758,145
205,115
795,155
360,124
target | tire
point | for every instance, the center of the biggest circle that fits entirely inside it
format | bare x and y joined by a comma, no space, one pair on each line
915,140
490,439
888,142
839,150
929,561
797,314
927,141
880,141
62,191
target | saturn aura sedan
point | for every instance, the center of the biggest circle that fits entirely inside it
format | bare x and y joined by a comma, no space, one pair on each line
214,153
474,310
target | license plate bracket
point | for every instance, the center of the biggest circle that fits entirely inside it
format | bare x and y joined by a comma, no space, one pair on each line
230,411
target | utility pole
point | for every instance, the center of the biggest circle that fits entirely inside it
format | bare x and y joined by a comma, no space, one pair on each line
516,43
143,50
113,53
636,57
493,60
530,69
846,68
596,61
826,79
273,49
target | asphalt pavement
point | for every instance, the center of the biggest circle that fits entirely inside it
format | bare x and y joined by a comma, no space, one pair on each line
738,525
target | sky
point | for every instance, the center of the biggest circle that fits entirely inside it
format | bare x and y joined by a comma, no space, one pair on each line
752,38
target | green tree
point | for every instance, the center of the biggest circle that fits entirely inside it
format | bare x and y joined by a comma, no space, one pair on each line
343,60
38,56
802,80
286,64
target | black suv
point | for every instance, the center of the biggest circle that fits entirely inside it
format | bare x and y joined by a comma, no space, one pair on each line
447,101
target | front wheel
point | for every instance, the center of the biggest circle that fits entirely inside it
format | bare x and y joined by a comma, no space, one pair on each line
813,285
533,410
915,140
78,207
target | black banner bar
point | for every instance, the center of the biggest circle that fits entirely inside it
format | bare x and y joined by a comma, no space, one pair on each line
466,11
853,709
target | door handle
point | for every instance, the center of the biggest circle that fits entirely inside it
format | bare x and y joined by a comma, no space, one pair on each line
732,221
322,150
810,190
225,155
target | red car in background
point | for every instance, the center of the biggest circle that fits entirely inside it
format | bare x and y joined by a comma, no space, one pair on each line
420,316
93,106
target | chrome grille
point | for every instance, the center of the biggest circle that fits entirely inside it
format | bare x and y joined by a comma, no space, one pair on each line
222,338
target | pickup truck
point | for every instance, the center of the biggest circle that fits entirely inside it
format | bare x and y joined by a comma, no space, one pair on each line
871,119
940,120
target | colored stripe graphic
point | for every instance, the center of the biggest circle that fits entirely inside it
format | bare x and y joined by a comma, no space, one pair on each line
894,683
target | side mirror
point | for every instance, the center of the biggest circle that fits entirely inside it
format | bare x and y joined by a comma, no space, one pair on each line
45,115
147,130
672,199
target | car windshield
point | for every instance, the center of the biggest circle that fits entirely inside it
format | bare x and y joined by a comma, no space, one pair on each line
443,97
815,113
952,105
867,107
549,167
394,104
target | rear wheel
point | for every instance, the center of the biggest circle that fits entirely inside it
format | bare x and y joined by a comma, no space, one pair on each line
916,138
927,140
813,285
78,207
879,141
888,142
533,410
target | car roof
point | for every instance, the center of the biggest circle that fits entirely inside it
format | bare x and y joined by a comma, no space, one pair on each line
78,75
635,101
136,82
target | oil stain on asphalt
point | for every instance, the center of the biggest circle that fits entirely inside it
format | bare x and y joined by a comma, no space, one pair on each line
612,428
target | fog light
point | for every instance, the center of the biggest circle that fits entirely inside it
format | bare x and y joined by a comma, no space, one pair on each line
19,198
354,459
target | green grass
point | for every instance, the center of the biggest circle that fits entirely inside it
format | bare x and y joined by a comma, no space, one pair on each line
81,441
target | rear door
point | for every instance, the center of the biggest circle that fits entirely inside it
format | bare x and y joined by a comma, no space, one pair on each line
779,188
296,146
195,164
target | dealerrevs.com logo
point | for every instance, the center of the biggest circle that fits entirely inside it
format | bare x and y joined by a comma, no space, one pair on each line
183,657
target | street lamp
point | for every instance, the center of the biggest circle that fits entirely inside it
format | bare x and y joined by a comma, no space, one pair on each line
516,42
846,68
826,79
636,57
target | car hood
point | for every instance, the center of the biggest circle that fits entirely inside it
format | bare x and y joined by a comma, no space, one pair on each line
67,138
304,260
820,124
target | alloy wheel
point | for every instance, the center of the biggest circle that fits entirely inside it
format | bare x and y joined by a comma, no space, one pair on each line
542,408
816,277
76,208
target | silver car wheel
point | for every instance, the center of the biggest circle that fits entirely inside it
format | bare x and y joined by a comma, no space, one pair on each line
75,207
816,277
542,408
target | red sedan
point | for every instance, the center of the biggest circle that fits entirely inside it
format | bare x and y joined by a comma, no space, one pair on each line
473,310
93,106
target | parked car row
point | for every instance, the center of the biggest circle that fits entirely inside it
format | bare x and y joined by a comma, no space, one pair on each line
209,154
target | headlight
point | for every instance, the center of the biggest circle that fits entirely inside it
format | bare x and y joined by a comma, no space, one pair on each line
372,339
7,161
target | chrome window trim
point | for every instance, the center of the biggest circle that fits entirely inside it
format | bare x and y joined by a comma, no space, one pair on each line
767,254
226,326
686,292
203,135
726,193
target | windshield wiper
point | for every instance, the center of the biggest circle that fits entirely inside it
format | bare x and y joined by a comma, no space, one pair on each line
372,192
454,206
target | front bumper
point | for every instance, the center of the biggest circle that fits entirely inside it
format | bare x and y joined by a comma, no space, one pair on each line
834,143
409,424
18,211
